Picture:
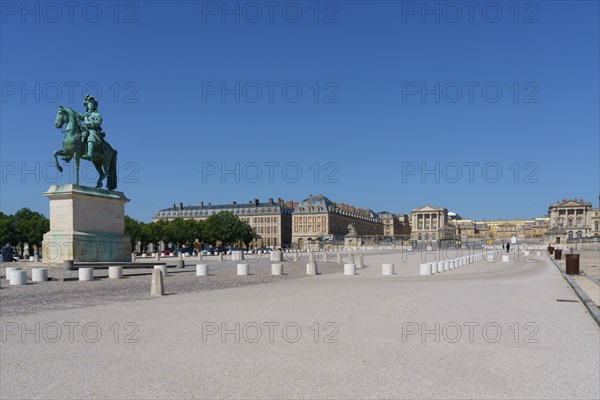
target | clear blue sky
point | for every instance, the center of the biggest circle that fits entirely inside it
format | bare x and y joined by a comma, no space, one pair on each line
386,91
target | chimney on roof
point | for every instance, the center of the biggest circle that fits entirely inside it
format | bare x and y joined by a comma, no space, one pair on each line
235,202
271,202
209,204
256,202
174,205
202,205
180,205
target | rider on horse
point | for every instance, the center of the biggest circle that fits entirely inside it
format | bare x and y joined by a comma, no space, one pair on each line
91,128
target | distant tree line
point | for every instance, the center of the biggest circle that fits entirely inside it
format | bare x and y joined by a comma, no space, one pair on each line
223,228
25,226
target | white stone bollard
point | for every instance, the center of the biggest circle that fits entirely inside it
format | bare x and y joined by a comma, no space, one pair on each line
18,277
440,266
9,270
452,264
349,269
433,268
311,269
86,274
243,269
201,270
162,269
505,258
388,269
276,256
39,274
277,269
115,272
158,287
425,269
446,265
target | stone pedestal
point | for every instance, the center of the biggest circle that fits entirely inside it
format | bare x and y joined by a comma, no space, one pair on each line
86,224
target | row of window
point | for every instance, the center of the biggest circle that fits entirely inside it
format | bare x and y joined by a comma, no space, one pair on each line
308,220
197,213
267,220
266,229
570,222
427,226
310,228
570,212
433,236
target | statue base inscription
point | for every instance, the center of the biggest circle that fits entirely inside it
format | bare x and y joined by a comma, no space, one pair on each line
86,224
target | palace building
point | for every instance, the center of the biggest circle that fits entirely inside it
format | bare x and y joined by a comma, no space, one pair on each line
572,219
271,221
429,224
317,218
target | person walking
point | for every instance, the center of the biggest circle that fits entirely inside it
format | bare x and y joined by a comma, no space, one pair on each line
507,247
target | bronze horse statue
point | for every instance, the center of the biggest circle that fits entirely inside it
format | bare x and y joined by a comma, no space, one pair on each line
104,156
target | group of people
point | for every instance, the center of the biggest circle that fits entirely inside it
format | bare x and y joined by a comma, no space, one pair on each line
7,253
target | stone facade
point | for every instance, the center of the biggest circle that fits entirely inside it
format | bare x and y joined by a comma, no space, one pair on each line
394,224
429,224
318,218
572,219
271,221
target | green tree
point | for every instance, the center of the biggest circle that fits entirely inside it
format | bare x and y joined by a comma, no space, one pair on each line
155,232
246,233
228,229
7,230
221,227
135,230
30,226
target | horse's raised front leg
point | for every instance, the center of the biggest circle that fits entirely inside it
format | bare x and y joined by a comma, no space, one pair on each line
77,157
56,154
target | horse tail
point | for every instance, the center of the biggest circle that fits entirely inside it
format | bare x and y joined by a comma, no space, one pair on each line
111,181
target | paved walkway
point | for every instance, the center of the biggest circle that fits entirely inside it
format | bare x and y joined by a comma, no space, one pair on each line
501,330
